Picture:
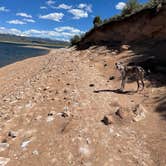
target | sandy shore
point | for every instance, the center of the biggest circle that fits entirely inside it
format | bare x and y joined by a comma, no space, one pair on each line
49,105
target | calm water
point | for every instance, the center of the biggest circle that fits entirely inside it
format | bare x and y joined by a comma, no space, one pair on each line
10,53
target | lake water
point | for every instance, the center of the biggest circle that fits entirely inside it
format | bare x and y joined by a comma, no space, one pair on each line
11,52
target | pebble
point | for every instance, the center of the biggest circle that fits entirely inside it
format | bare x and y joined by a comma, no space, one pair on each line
4,161
12,134
108,119
25,144
50,118
35,152
84,150
3,146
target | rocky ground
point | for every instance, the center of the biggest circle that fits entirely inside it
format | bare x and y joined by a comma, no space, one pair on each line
63,109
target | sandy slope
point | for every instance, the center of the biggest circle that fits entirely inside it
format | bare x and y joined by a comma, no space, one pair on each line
34,92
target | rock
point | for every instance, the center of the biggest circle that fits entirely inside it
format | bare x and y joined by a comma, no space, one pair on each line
29,105
4,161
65,91
3,146
125,47
46,88
111,130
108,119
140,113
120,113
24,144
50,118
114,53
139,117
91,85
112,78
12,134
35,152
85,151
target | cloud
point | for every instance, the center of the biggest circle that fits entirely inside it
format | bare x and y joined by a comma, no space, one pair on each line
59,33
64,6
24,15
86,7
68,29
43,7
4,9
50,2
52,16
78,13
16,22
13,31
120,6
29,20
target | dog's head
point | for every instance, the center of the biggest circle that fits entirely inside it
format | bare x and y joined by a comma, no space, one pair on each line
119,65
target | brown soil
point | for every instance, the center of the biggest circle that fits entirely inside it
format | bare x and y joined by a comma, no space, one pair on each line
34,93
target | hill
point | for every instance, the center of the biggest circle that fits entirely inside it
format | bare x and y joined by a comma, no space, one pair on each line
32,40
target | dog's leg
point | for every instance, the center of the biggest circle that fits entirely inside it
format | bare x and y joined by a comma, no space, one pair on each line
123,81
137,84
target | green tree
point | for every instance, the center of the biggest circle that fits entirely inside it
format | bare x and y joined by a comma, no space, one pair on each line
75,40
155,2
131,7
97,21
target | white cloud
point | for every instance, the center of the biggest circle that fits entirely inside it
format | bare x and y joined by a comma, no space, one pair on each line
43,7
59,33
50,2
16,22
52,16
78,13
87,7
68,29
29,20
120,6
64,6
24,15
13,31
3,9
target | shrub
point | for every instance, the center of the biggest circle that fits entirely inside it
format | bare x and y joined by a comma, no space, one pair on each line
75,40
131,7
97,21
155,2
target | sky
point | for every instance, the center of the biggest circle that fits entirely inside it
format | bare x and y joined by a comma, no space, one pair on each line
59,19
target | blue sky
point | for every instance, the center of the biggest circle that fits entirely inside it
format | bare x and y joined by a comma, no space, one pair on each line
59,19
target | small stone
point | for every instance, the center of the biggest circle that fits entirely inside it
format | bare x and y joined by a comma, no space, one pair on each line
120,113
140,113
91,85
24,144
108,119
50,118
65,91
3,146
4,161
84,150
111,130
12,134
139,117
112,78
35,152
